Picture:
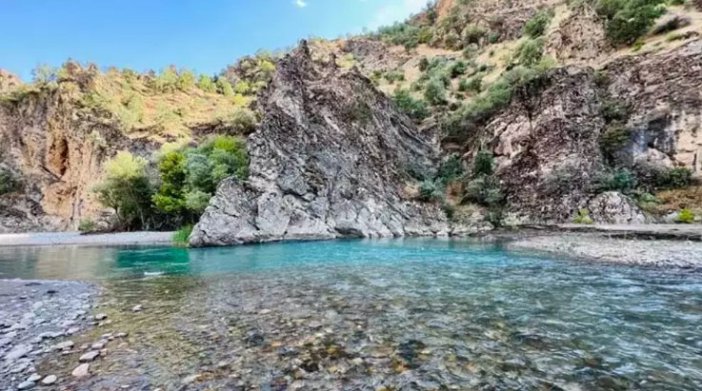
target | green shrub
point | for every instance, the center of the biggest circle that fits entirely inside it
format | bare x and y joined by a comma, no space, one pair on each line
530,52
450,169
242,121
435,92
428,191
621,180
9,182
484,190
206,84
167,80
484,163
186,80
181,236
628,20
458,68
472,34
414,108
537,25
685,216
87,226
583,217
674,178
393,76
423,64
614,111
613,139
224,87
474,84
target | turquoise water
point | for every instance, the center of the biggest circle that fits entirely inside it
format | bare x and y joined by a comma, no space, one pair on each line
400,314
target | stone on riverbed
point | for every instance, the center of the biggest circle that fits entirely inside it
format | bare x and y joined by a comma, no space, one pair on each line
18,352
81,371
49,380
90,356
25,385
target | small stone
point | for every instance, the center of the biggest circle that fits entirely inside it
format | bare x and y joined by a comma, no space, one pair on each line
190,379
34,378
98,345
25,385
17,352
137,308
49,380
100,316
90,356
121,335
65,345
72,330
81,371
50,335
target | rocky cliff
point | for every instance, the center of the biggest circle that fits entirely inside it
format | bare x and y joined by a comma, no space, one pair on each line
329,159
549,140
55,151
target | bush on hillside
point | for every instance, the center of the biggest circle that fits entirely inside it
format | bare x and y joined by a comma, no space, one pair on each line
435,92
537,25
622,180
206,84
583,217
628,20
224,87
414,108
530,52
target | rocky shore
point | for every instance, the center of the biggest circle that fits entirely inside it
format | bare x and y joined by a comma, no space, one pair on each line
76,238
603,247
37,319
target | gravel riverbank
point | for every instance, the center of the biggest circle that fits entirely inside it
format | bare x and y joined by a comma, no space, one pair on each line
602,248
76,238
38,318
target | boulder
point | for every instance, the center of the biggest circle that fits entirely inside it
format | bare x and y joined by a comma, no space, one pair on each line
615,208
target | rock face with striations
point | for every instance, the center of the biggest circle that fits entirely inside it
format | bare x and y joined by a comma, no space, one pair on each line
327,161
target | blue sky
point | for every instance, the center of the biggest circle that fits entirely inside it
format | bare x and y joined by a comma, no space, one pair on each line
203,35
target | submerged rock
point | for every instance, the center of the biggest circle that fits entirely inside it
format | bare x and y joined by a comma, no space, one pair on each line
330,159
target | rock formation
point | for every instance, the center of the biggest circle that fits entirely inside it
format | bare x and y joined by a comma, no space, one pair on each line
328,160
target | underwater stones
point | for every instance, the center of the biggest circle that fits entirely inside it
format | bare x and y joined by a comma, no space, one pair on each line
18,352
190,379
254,338
26,385
410,350
81,371
90,356
101,316
137,308
49,380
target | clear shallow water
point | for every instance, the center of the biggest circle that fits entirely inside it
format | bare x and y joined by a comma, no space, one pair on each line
400,314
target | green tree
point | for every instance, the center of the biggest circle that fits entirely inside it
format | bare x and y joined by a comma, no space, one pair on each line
128,191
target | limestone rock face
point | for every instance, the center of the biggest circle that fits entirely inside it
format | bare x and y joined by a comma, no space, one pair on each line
615,208
662,91
547,142
56,151
328,160
547,147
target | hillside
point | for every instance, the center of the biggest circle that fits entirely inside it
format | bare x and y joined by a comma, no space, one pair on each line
536,111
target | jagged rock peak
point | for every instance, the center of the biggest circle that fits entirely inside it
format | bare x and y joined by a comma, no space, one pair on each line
329,159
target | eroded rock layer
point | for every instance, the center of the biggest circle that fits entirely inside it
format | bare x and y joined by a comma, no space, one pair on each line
329,160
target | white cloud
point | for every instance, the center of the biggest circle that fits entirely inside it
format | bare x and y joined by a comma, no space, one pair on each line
396,11
300,3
